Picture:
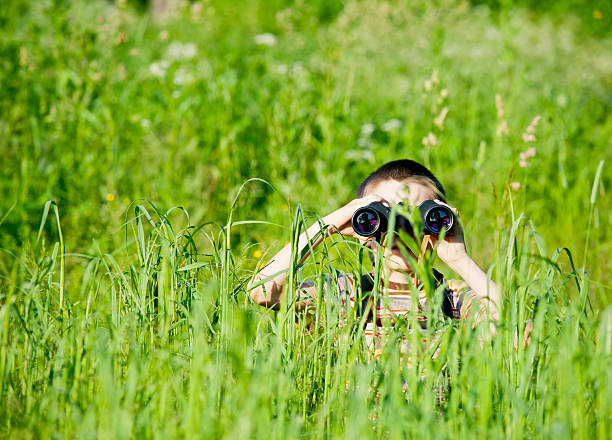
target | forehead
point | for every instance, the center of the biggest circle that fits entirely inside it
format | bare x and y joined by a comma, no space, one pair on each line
395,191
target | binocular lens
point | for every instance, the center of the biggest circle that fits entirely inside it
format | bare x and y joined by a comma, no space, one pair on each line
373,219
438,218
366,222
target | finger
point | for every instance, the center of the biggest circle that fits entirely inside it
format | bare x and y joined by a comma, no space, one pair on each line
440,202
366,200
376,198
365,241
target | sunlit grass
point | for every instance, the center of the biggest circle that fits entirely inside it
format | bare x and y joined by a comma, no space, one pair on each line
129,227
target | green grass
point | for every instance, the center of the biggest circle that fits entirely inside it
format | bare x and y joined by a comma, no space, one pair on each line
126,239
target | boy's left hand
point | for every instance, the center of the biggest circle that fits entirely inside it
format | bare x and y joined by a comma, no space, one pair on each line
452,249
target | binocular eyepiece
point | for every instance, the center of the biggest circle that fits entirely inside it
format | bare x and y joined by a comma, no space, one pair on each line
373,219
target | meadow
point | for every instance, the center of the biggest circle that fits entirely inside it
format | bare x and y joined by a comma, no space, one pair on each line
150,167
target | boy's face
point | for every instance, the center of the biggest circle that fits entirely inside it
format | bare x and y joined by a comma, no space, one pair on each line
409,192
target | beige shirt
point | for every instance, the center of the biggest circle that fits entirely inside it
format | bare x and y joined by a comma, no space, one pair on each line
393,306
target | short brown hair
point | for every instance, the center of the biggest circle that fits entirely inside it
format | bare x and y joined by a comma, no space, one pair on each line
401,170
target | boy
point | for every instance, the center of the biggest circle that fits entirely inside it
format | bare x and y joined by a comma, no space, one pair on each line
411,183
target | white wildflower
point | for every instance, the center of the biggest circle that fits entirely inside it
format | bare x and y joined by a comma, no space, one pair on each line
502,128
363,142
562,100
533,125
439,120
391,125
182,51
500,105
182,77
430,140
359,155
367,129
435,77
158,69
266,39
297,68
528,137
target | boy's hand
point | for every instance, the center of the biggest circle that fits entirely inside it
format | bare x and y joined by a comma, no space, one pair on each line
452,249
341,218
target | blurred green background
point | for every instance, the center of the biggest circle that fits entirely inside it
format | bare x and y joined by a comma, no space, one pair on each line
104,103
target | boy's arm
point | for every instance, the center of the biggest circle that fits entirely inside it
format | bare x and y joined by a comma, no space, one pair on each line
485,289
269,294
452,251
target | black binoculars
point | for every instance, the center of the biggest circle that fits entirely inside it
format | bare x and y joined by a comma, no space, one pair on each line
373,219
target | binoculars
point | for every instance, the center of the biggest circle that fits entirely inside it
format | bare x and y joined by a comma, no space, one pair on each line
373,219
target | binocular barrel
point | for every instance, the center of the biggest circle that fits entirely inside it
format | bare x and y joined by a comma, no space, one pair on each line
373,219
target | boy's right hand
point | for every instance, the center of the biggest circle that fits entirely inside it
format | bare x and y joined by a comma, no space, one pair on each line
341,218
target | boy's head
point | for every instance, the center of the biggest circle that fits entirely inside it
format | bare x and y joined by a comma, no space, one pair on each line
403,171
401,181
